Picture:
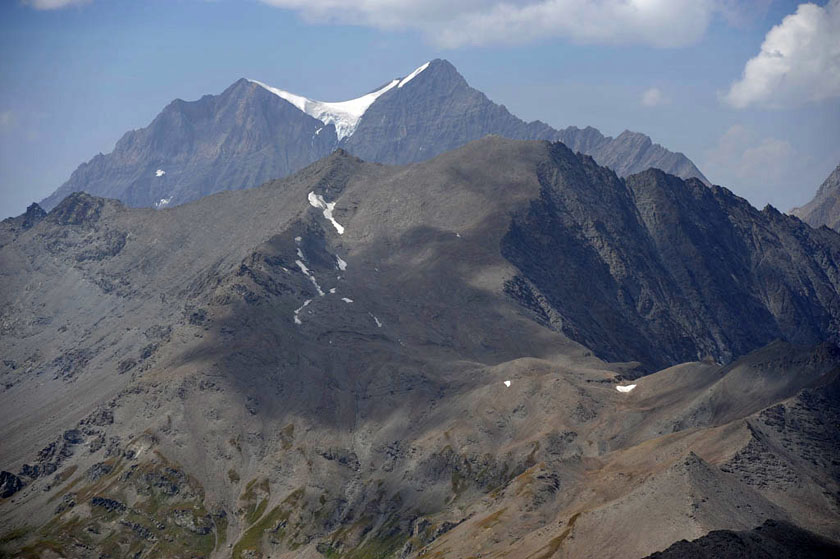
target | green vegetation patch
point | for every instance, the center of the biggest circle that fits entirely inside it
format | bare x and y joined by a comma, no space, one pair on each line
270,527
169,519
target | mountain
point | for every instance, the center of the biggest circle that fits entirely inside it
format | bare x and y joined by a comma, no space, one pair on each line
252,133
824,209
363,360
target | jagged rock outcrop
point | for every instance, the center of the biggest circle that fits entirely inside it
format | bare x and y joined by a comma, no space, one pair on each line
9,484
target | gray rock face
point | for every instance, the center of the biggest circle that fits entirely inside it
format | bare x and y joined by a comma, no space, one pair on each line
632,152
231,141
248,135
824,209
774,538
674,270
9,484
435,112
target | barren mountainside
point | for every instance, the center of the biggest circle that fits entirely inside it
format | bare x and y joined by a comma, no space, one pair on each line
248,135
363,360
824,209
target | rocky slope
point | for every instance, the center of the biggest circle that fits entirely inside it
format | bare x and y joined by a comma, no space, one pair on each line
824,209
673,270
362,361
251,133
779,540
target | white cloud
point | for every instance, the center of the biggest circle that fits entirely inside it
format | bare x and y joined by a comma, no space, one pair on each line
749,160
799,62
53,4
654,97
763,169
448,23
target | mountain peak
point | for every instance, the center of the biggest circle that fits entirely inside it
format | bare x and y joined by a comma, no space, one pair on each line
441,65
824,209
437,72
80,208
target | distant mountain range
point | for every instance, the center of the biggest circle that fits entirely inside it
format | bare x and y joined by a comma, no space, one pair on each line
252,133
824,209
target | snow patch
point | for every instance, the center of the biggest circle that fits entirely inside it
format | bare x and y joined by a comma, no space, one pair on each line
306,273
332,290
507,383
297,311
344,115
160,173
627,388
342,265
413,75
347,300
317,201
376,320
163,202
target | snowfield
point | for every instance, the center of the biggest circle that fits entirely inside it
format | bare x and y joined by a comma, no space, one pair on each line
344,115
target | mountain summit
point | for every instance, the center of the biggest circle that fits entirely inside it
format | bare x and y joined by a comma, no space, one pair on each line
253,132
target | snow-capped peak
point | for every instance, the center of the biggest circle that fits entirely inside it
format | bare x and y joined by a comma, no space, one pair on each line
345,115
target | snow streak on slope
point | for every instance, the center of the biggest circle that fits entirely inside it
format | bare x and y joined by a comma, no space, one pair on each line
297,311
317,201
345,115
413,75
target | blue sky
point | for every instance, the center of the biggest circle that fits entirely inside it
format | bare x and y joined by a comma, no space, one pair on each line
74,78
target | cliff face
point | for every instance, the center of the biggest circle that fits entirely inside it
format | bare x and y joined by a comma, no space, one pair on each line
673,269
